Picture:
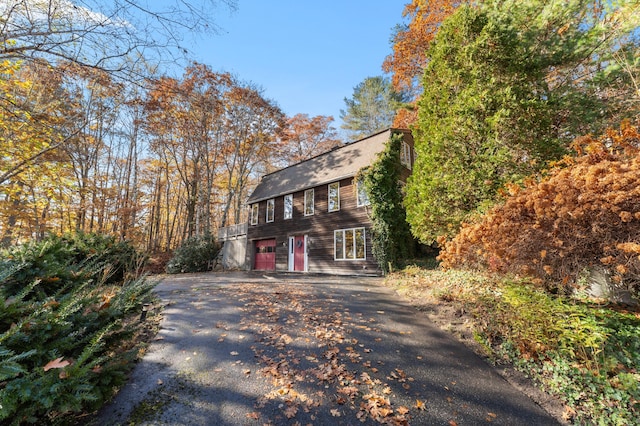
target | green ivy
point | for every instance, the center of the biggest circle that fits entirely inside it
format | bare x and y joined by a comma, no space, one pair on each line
392,243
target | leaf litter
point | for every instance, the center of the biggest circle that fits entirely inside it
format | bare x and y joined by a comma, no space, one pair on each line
304,346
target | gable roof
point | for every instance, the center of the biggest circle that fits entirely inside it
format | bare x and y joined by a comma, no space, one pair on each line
329,167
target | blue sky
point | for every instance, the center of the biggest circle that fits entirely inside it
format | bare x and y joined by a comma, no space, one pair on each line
307,56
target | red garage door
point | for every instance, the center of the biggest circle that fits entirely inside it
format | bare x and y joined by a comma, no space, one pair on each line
265,255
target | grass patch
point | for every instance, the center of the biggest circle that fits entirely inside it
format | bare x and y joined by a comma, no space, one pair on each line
585,353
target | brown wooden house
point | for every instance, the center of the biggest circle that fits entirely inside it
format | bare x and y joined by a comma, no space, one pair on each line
313,216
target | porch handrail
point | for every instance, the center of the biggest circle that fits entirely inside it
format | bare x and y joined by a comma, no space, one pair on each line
232,231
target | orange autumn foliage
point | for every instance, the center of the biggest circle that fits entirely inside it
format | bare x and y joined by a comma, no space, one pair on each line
410,44
583,213
405,118
409,57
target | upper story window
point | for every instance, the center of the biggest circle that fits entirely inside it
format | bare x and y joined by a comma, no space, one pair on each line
405,155
361,194
288,206
254,214
308,202
334,197
270,210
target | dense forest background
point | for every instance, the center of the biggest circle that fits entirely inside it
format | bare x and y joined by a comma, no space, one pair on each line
94,138
97,138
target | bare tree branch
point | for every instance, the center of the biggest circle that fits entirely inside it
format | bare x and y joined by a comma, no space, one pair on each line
109,35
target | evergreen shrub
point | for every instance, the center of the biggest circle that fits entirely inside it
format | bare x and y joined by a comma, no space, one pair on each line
194,255
59,261
67,329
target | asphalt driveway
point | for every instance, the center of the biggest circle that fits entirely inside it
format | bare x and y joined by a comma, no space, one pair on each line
254,349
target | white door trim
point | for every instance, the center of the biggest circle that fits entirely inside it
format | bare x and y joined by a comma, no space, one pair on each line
291,255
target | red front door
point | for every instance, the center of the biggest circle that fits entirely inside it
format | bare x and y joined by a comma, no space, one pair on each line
298,253
265,259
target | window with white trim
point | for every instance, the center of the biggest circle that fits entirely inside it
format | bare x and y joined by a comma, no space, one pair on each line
361,194
308,202
254,214
349,244
270,210
405,155
334,197
288,206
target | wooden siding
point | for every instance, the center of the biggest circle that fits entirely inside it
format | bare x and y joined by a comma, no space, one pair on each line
319,228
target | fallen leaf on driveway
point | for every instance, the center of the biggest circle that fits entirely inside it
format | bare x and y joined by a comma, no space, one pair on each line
286,339
291,411
327,357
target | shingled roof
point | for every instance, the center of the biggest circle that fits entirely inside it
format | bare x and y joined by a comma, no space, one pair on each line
325,168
